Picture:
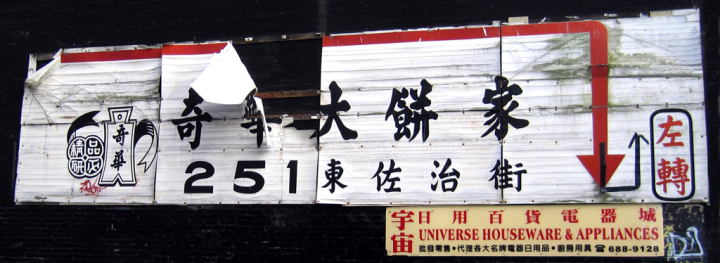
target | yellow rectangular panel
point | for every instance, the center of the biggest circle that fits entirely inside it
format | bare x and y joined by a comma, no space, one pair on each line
624,230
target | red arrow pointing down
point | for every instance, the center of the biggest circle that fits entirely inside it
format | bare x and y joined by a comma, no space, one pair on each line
600,164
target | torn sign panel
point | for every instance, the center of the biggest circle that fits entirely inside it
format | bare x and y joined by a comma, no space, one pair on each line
225,80
89,128
209,151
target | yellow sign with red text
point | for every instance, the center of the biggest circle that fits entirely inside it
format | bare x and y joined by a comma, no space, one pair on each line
625,230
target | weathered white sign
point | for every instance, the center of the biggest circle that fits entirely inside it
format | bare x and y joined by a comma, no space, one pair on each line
402,120
88,130
587,111
591,111
209,154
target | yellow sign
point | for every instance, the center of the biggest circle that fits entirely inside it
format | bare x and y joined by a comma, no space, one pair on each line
625,230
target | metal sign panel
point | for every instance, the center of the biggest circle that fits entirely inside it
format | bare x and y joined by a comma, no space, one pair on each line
209,154
88,130
580,230
540,113
402,118
600,103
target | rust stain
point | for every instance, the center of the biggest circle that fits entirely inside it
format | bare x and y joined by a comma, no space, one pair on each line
288,94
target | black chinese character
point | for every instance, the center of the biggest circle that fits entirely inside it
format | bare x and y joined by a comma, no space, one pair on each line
120,137
501,117
421,248
419,118
388,172
502,174
190,106
445,177
259,129
333,175
331,111
250,104
119,160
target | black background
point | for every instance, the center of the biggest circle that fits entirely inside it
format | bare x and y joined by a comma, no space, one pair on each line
248,233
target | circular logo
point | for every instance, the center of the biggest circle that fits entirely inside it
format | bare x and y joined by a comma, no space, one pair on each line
86,156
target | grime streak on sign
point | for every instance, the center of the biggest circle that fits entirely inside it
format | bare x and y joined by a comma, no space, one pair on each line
541,151
601,165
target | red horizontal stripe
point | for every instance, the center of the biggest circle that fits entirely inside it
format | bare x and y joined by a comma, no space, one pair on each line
111,55
196,49
411,36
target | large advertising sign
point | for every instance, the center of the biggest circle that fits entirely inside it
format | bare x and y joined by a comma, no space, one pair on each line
604,111
588,111
622,230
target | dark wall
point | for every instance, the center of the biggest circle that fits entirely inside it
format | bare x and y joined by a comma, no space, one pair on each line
309,233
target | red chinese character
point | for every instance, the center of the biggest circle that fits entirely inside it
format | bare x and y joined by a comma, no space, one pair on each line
570,215
608,215
666,126
496,216
425,215
647,215
400,244
460,217
673,174
533,216
404,217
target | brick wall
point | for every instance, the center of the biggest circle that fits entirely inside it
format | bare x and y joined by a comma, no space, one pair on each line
213,233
